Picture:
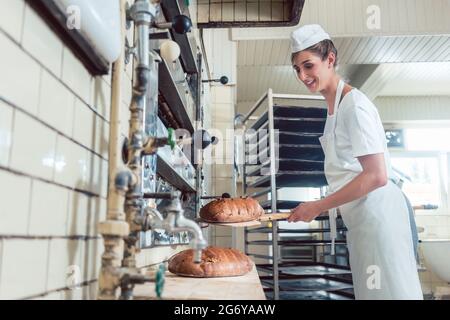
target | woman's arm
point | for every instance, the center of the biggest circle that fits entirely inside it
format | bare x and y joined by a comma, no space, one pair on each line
372,177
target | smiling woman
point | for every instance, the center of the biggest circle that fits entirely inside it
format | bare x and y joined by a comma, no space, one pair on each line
358,170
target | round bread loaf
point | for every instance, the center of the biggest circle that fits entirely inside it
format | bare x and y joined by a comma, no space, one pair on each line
216,262
231,210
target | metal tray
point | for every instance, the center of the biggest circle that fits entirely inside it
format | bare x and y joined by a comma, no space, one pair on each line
281,204
308,284
260,142
287,165
306,125
311,271
307,179
289,151
308,295
292,112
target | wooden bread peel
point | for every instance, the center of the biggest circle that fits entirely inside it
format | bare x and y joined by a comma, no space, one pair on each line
264,218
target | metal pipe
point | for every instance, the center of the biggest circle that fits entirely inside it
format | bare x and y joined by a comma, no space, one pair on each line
273,194
125,198
175,221
142,13
254,108
114,228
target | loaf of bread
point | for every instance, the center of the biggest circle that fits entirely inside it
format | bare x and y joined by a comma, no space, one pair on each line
231,210
216,262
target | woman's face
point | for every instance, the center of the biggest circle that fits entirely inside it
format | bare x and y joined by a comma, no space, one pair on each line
312,71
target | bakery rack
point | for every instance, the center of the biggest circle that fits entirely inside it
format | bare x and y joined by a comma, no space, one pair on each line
280,149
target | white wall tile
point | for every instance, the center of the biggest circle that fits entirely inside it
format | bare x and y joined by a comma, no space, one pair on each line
15,203
33,149
124,115
72,167
11,17
222,231
223,185
20,78
101,96
225,242
97,213
1,265
56,104
64,263
127,89
78,214
98,175
6,121
108,77
72,294
75,75
56,295
48,214
91,263
84,124
221,93
24,268
223,112
101,137
41,41
223,170
226,128
91,291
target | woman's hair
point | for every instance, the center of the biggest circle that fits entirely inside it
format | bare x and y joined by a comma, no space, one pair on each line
322,49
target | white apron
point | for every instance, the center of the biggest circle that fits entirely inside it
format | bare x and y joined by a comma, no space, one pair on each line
379,238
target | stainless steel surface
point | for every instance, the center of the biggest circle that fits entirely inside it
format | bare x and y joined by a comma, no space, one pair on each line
273,195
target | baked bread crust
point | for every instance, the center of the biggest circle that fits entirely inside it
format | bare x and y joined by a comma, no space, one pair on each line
216,262
231,210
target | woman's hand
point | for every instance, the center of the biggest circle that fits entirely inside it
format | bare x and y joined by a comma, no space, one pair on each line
305,211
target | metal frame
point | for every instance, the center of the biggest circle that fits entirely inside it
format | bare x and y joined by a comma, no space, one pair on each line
277,261
294,18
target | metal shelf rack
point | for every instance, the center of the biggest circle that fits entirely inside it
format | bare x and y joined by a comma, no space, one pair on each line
281,149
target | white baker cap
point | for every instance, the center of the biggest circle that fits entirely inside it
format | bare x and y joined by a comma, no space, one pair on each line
307,36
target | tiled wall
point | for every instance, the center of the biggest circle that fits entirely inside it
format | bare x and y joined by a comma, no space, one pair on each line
222,111
53,165
54,129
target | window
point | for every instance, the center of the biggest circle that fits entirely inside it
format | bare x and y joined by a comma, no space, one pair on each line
421,178
395,138
423,163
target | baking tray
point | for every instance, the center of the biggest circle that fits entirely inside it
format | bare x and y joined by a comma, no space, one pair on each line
308,295
307,179
260,142
311,270
292,112
289,151
308,284
306,125
281,204
287,165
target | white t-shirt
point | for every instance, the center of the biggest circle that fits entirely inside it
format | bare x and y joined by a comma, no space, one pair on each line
359,131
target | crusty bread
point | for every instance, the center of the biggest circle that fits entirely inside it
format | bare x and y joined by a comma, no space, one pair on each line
231,210
216,262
